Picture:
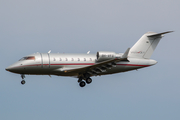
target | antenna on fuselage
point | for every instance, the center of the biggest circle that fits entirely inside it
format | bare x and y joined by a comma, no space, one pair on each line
88,52
49,51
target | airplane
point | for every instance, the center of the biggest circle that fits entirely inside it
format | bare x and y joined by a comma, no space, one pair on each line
85,66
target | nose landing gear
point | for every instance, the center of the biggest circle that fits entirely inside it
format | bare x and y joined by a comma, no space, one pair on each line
23,81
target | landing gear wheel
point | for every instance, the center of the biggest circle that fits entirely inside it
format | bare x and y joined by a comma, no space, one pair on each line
88,80
23,82
82,84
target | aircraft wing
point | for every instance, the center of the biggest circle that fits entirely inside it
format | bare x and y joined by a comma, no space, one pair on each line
99,67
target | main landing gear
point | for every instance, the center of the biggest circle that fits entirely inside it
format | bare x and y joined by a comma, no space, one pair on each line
82,83
23,81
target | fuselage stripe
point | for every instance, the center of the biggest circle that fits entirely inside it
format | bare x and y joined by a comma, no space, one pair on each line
74,64
134,65
83,64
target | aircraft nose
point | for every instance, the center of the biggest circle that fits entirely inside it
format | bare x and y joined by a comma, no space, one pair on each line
13,68
9,68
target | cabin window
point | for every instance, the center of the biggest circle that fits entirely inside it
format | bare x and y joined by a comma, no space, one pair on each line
28,58
60,59
54,59
78,59
84,59
90,59
66,59
72,59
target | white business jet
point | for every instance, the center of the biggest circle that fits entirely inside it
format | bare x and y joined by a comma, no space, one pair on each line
84,66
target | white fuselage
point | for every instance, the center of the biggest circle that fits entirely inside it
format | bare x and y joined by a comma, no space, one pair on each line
56,63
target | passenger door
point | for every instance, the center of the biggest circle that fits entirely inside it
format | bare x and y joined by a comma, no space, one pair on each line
45,60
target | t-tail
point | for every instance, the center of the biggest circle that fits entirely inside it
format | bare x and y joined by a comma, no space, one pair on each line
146,45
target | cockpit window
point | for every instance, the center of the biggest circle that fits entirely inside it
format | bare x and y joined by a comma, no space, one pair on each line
27,58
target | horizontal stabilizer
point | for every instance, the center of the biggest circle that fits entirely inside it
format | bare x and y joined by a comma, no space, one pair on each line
159,34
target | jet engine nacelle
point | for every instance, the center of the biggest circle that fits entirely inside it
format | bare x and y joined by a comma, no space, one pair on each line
103,55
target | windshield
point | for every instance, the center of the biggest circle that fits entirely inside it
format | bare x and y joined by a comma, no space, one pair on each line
27,58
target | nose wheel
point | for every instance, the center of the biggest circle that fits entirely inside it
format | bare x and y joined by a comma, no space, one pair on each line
23,81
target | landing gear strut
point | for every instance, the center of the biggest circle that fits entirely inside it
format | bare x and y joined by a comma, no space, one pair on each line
23,81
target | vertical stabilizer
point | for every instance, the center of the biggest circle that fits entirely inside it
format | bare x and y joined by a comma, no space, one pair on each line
146,45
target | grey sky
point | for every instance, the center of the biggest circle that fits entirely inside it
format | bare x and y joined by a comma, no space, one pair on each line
77,26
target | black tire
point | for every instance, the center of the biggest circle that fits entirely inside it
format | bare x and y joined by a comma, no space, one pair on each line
23,82
88,80
82,84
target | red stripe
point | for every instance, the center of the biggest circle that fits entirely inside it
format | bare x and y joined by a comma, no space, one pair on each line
74,64
28,65
57,64
87,64
134,65
31,65
84,64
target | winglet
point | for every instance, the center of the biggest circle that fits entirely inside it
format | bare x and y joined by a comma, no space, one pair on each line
49,51
125,55
159,34
88,52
